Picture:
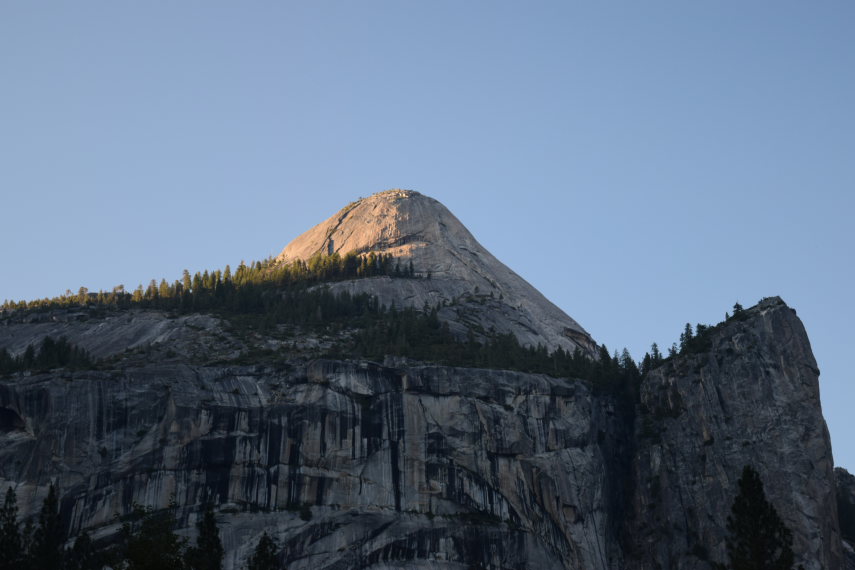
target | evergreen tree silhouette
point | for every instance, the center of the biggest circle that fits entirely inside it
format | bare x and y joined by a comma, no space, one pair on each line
265,556
208,552
757,537
10,537
47,547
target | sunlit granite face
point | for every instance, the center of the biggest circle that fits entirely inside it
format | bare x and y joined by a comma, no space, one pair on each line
454,269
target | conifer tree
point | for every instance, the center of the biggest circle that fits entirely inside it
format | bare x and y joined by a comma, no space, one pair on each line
83,555
655,355
208,552
265,556
27,545
154,545
7,363
757,537
29,359
646,364
10,537
685,338
46,550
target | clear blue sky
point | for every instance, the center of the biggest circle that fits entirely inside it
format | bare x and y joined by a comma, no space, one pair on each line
644,164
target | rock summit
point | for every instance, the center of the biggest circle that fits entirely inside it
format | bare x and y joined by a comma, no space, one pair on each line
454,271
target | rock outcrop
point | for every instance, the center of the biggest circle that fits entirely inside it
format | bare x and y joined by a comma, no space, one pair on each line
752,398
457,273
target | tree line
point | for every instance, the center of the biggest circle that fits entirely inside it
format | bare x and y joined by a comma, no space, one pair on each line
419,334
147,541
47,355
757,539
695,340
217,289
265,294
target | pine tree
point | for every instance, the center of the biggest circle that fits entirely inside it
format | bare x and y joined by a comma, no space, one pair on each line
10,537
655,355
265,556
28,362
154,545
151,290
7,363
685,338
208,552
83,555
646,364
46,550
27,545
757,537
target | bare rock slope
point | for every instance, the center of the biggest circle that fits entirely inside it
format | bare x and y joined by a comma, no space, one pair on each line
454,269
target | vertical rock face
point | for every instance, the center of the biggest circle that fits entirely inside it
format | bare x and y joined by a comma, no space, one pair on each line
347,465
455,269
751,399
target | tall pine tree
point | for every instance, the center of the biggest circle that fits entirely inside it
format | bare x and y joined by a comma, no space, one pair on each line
47,547
11,553
757,537
208,552
153,544
265,556
83,555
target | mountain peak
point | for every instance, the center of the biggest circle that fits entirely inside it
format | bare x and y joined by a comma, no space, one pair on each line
403,223
453,270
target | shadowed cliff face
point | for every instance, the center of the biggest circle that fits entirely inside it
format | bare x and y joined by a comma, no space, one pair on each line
478,288
423,466
752,399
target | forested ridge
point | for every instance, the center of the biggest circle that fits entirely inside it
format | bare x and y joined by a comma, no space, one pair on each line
262,295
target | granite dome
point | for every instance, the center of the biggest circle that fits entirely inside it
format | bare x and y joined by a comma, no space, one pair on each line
457,272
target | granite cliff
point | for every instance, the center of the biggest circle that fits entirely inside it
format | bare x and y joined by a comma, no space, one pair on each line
361,464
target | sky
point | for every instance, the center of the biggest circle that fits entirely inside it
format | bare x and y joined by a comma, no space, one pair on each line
643,164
